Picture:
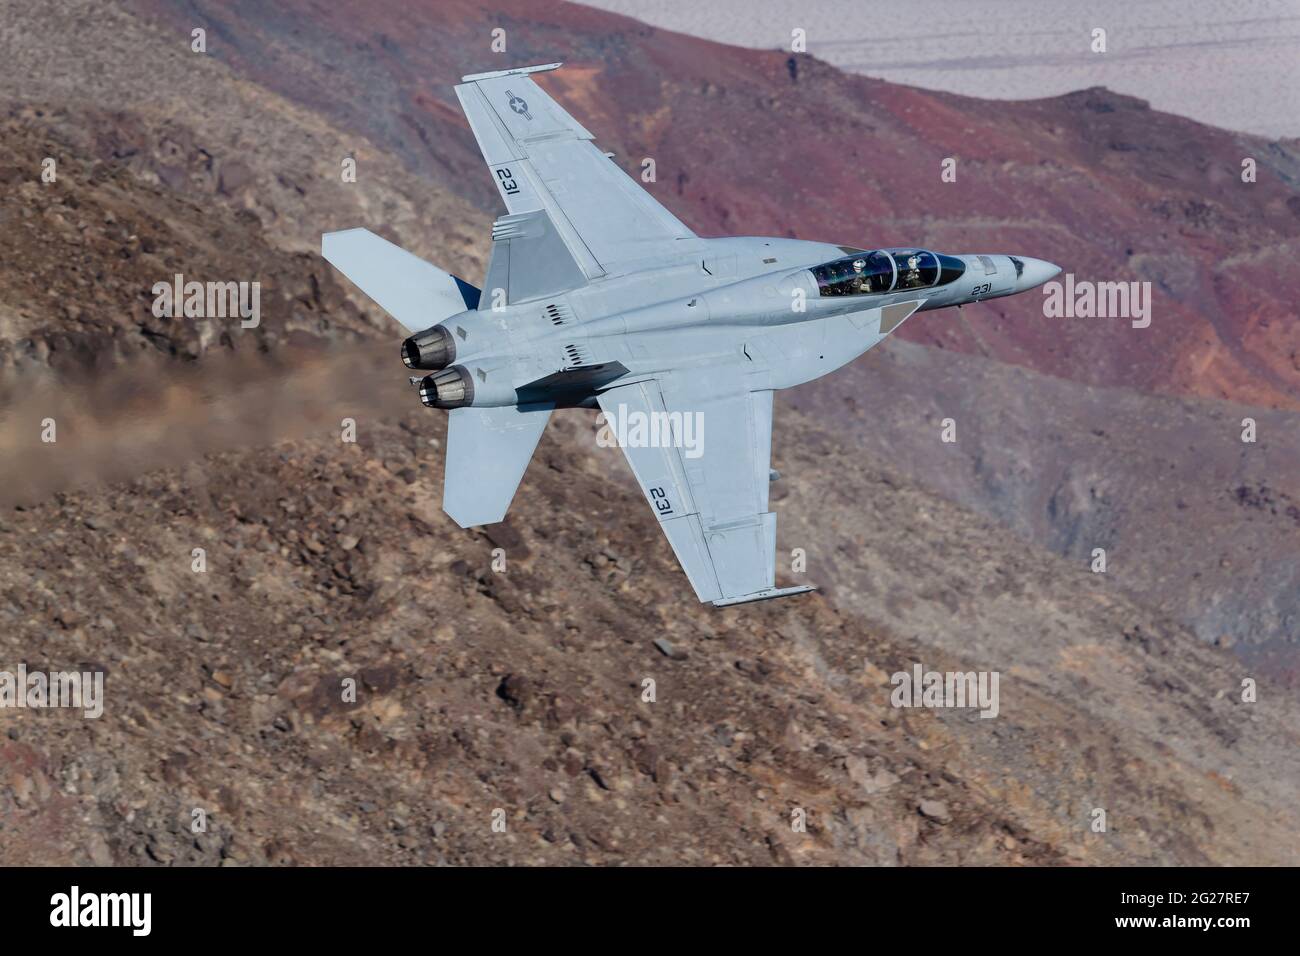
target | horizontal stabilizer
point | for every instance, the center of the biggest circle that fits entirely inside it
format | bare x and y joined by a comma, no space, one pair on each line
409,289
488,450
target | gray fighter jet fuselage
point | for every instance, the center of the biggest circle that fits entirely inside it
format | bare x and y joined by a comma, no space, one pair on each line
596,295
762,304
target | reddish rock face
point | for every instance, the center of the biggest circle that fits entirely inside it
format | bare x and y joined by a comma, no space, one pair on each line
760,143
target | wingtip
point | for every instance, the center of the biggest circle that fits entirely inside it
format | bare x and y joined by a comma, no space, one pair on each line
517,71
766,595
467,517
328,238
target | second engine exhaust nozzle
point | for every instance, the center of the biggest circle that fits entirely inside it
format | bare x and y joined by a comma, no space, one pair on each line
451,388
430,350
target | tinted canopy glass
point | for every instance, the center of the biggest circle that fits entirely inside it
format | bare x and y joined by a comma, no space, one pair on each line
951,269
859,274
917,269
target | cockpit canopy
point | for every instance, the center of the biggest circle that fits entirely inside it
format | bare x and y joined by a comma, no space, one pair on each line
886,270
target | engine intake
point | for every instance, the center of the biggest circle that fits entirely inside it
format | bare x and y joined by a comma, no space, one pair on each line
430,350
451,388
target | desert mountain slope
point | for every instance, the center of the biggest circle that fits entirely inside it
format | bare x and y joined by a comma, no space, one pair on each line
521,690
760,143
112,86
1194,521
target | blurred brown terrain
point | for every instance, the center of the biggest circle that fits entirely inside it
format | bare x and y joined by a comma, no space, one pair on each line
521,690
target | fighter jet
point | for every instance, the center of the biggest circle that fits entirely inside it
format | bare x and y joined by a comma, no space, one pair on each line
598,296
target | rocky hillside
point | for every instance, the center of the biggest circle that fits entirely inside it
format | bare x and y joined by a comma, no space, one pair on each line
1194,521
521,689
515,694
753,142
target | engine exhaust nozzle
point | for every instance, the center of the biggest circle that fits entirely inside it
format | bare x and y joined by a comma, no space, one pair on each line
451,388
429,350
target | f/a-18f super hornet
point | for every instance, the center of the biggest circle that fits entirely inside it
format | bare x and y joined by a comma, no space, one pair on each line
596,295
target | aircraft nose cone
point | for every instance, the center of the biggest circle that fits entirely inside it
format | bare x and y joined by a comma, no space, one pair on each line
1035,273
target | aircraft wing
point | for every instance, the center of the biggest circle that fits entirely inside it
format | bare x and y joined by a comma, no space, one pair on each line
707,486
541,158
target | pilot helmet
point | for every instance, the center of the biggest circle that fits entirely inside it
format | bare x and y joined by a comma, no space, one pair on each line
859,265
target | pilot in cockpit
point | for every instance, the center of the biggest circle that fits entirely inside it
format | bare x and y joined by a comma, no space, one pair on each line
913,275
859,284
